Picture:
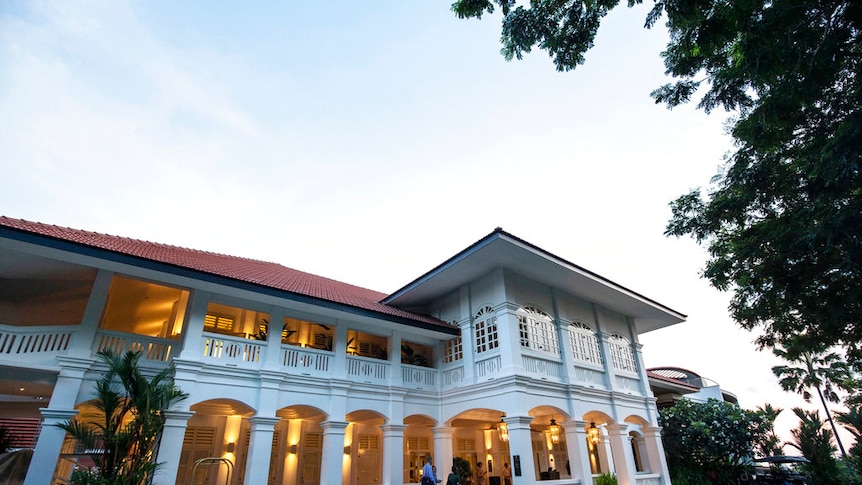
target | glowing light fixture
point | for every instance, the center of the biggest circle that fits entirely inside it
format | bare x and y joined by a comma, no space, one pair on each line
594,434
346,450
503,429
231,447
554,430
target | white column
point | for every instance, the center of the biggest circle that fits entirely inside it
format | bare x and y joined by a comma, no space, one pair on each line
171,446
48,447
579,454
60,409
194,327
443,451
259,449
621,449
273,339
82,343
510,340
332,455
393,453
468,349
396,378
656,459
521,446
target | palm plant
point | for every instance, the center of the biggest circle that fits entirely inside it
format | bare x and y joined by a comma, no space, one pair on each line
769,444
815,443
123,435
852,422
824,372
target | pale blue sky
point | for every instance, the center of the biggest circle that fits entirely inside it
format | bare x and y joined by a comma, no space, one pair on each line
366,142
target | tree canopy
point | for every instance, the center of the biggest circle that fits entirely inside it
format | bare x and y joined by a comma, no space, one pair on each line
783,219
711,439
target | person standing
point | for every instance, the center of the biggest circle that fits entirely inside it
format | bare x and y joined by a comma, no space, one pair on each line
507,474
428,475
480,474
454,478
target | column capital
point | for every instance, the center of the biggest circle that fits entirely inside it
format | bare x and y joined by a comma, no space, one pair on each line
334,425
518,421
443,431
58,414
576,424
619,428
393,428
256,421
74,366
178,415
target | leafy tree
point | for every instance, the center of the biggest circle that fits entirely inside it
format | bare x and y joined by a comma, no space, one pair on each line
814,441
712,440
124,433
783,219
822,372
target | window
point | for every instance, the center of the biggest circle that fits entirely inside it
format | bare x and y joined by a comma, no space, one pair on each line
585,344
622,356
537,330
486,330
415,354
367,345
453,350
143,308
239,322
307,334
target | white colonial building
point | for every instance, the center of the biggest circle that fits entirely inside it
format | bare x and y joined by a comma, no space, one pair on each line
503,354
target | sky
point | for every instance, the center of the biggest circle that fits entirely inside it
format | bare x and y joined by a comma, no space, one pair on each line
367,142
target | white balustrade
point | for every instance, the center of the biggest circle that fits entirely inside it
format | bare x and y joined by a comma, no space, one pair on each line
232,351
305,361
488,368
543,367
453,377
31,344
589,377
153,350
367,369
418,377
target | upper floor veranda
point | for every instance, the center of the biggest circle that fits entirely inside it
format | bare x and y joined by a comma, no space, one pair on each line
61,300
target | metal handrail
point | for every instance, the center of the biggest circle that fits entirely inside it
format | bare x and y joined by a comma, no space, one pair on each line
211,461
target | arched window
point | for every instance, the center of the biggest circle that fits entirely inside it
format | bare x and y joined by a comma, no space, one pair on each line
537,330
622,356
453,349
486,330
585,344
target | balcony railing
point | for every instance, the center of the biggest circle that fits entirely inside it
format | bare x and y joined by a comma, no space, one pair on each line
153,350
305,361
232,351
34,344
545,369
418,377
367,369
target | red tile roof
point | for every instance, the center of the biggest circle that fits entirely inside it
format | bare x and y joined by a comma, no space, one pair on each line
262,273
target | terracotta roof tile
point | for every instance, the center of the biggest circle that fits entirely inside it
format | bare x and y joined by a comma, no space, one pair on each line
266,274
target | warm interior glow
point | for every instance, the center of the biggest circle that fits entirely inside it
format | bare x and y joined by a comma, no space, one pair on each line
594,434
231,435
554,430
503,429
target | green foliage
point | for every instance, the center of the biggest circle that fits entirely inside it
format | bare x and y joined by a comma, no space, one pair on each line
783,219
606,479
711,439
124,434
462,468
814,441
851,420
769,444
